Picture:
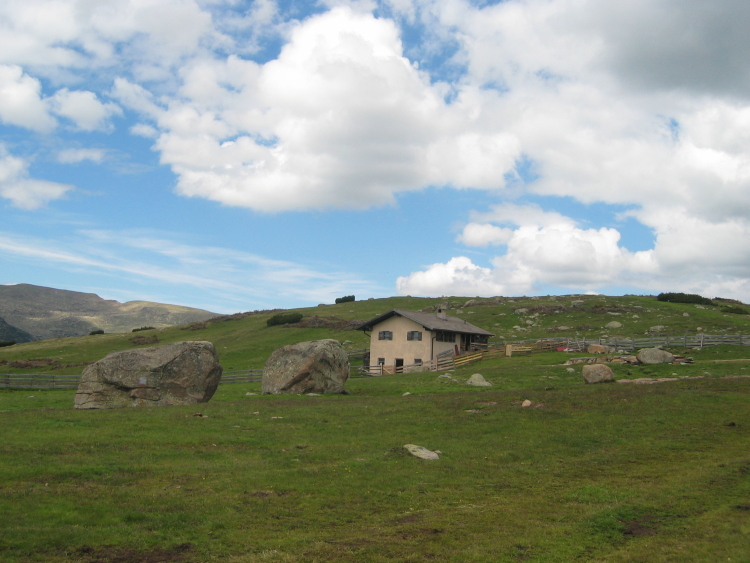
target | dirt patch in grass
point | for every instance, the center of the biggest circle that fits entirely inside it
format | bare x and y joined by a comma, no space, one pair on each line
639,527
116,554
140,340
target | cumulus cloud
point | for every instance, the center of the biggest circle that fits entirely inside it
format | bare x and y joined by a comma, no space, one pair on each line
23,191
84,109
340,119
21,101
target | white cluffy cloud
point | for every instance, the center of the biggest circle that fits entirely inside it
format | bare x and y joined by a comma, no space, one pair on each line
23,191
23,104
542,248
340,119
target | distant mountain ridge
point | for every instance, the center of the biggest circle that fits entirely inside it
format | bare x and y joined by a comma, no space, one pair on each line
44,312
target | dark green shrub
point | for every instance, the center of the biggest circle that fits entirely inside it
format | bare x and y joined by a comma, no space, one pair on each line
7,343
345,299
284,319
97,331
684,298
735,310
143,328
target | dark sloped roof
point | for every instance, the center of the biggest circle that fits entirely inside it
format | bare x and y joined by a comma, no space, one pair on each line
429,321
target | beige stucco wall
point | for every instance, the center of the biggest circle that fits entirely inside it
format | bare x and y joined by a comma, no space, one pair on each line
400,347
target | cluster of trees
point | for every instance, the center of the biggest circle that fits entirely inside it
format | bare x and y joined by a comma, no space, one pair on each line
684,298
284,319
345,299
143,328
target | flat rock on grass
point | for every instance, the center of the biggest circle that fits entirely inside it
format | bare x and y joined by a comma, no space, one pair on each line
653,356
421,452
597,373
477,380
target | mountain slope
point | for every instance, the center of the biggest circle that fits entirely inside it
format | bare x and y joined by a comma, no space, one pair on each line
45,312
9,333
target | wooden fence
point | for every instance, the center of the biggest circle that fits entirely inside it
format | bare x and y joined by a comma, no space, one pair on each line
441,363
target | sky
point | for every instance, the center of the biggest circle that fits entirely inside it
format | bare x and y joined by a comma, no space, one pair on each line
241,155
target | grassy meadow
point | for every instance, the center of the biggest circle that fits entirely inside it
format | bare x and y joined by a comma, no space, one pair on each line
613,472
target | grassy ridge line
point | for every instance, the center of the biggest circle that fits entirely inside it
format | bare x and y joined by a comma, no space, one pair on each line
247,342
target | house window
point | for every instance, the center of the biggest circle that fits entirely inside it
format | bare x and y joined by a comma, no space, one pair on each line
381,361
385,335
417,361
414,335
444,336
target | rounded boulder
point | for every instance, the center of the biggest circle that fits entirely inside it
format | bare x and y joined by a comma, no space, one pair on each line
318,366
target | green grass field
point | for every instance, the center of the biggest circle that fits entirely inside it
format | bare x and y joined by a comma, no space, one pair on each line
612,472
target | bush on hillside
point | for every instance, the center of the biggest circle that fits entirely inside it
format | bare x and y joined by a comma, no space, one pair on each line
684,298
7,343
735,310
345,299
97,331
284,319
143,328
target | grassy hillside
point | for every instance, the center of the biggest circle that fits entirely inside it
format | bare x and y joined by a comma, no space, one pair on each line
246,341
616,472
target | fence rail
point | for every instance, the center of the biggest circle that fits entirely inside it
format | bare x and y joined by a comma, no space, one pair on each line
442,363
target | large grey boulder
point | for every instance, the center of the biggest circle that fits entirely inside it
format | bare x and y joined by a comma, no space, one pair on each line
652,356
597,373
319,366
183,373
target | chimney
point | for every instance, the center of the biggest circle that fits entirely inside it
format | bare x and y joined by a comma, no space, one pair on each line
441,313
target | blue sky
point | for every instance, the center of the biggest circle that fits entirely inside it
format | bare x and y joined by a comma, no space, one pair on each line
236,155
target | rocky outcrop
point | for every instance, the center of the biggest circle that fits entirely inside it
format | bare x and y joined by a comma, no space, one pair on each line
183,373
652,356
319,366
598,349
597,373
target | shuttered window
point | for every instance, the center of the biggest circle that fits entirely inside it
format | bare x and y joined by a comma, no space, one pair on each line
414,335
385,335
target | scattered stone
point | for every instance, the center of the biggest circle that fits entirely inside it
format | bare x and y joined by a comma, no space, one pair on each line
406,394
477,380
685,314
652,356
319,366
526,403
613,324
636,316
597,349
420,452
700,328
183,373
657,328
250,394
597,373
313,394
521,311
570,370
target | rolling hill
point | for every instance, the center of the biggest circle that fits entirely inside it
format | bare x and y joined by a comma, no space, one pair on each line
31,312
244,340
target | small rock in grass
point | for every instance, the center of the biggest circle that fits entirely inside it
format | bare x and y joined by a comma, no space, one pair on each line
478,381
405,394
526,403
597,373
570,370
421,452
313,394
653,356
248,394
